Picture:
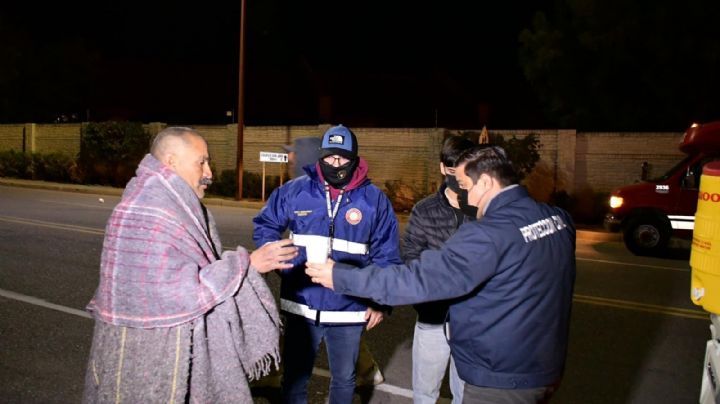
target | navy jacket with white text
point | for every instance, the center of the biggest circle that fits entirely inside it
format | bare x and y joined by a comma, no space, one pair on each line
514,269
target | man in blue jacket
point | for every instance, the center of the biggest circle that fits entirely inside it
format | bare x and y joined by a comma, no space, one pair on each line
513,270
335,202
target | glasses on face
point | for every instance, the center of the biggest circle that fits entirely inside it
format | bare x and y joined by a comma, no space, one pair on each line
336,159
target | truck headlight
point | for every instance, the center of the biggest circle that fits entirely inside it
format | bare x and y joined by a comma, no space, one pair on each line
616,202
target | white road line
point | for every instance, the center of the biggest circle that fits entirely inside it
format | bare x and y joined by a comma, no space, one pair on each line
53,225
395,390
633,264
42,303
387,388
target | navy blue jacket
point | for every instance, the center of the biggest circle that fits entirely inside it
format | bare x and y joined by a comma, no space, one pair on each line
514,269
365,217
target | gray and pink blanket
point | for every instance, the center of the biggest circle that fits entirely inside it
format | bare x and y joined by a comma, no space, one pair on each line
176,319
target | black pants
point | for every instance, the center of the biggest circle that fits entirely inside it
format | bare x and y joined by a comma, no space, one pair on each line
486,395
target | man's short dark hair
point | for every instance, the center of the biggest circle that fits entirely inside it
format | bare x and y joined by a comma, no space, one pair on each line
158,145
490,160
452,148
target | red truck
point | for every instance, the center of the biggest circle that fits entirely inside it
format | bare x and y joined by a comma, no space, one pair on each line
650,212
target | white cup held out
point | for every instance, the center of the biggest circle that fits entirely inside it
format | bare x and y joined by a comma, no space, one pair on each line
317,250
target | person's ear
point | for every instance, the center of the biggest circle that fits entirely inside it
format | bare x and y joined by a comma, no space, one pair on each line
442,169
487,181
170,159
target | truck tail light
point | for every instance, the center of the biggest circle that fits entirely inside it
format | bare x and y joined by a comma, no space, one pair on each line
616,202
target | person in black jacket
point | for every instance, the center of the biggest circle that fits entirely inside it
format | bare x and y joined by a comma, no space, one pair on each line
432,221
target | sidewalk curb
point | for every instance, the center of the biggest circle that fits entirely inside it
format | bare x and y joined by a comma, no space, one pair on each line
584,234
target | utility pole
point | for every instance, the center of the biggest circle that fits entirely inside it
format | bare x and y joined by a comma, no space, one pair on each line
241,104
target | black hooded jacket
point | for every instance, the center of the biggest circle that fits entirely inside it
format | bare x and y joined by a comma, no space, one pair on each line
432,221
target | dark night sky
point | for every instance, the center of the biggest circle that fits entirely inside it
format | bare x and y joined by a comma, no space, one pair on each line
370,63
375,63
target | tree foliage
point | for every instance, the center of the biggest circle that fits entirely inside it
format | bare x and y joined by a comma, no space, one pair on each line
523,152
619,65
110,151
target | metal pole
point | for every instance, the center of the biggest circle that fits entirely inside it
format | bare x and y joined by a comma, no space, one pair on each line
262,196
241,103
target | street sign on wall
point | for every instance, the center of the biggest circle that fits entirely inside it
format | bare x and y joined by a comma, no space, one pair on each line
270,157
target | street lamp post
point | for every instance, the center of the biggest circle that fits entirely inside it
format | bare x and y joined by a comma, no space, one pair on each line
241,103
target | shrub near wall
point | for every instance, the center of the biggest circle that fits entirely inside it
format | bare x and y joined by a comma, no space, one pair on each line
111,151
15,164
55,167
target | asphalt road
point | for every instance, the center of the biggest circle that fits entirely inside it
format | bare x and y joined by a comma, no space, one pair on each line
635,336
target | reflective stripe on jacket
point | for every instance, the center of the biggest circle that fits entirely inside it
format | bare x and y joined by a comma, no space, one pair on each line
366,231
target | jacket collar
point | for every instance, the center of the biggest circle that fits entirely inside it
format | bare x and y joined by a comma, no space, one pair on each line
506,195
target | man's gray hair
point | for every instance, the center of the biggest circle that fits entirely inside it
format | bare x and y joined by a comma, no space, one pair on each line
159,144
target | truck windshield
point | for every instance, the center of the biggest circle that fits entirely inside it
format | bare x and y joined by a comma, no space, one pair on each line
680,165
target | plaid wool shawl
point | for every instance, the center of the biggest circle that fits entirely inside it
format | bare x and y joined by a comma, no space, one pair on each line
160,262
161,275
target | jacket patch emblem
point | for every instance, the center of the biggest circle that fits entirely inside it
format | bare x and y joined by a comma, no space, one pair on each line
353,216
302,213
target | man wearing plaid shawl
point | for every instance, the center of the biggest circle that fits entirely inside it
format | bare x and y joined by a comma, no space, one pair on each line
177,319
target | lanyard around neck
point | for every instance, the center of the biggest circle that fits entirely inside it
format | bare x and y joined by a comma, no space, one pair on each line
332,211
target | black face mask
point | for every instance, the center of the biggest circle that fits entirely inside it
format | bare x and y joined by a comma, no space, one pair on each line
338,177
452,183
467,209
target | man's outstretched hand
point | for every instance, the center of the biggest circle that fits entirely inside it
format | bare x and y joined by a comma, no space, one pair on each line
321,273
272,256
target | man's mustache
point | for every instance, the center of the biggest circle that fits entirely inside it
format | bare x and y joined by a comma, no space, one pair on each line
205,181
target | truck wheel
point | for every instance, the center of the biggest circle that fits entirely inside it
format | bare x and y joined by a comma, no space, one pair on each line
646,236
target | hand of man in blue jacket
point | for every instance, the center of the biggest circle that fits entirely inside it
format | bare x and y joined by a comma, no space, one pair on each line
372,316
321,273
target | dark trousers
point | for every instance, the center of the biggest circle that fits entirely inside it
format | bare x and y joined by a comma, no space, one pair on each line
487,395
302,340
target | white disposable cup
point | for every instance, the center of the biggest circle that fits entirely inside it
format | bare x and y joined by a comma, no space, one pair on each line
317,250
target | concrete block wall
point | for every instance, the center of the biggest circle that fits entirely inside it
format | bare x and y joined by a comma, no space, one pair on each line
408,155
221,146
41,138
55,138
570,161
264,139
605,161
11,137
